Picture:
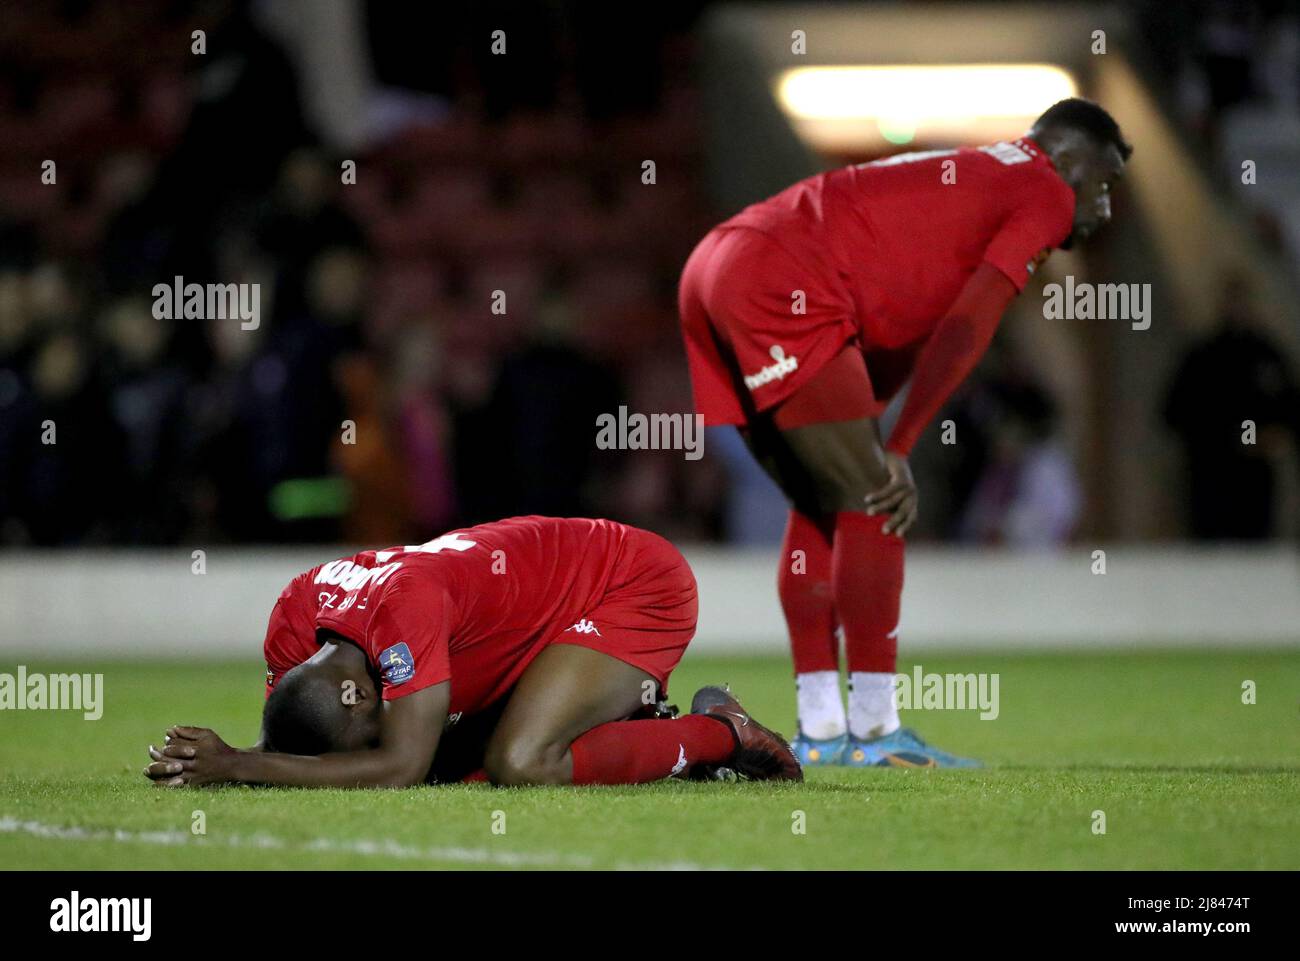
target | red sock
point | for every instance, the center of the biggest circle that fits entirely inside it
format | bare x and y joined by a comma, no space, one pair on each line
804,584
479,776
867,571
631,752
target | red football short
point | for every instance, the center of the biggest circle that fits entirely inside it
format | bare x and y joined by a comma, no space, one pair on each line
648,613
759,326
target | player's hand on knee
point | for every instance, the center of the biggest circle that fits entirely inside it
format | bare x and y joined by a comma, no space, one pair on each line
897,498
901,521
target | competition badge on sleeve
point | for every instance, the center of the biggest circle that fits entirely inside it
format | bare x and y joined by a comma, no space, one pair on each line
397,664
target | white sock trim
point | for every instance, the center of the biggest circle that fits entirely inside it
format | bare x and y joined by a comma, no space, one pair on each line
873,709
821,706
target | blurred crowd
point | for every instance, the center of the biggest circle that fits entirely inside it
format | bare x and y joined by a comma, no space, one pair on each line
386,392
437,335
1231,72
1233,401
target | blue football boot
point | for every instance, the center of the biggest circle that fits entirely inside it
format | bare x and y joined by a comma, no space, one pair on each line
814,753
903,748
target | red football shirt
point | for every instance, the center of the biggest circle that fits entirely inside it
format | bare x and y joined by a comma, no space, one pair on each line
905,233
473,606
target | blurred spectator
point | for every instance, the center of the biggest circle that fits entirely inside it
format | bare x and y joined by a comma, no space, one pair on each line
663,490
1229,32
1235,375
300,221
16,442
281,403
146,398
371,460
232,475
1029,493
135,236
424,426
756,509
70,472
540,453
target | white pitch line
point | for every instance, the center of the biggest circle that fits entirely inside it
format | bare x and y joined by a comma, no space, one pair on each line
363,847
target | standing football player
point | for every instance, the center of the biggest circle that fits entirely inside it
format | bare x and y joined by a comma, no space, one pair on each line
533,650
805,313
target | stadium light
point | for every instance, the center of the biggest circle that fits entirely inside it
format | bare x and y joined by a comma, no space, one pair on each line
863,108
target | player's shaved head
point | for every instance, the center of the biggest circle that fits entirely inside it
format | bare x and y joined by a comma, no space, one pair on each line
326,704
1081,116
1089,152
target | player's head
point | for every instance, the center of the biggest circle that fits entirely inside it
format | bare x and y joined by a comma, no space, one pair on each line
327,704
1086,147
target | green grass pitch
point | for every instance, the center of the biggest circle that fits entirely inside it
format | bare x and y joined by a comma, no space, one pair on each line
1188,777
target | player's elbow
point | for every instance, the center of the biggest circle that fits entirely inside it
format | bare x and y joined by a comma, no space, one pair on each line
400,779
395,780
400,771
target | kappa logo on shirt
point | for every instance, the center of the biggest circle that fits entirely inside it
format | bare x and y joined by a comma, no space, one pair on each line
397,664
584,626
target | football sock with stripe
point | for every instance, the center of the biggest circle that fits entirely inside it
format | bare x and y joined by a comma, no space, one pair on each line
632,752
803,583
808,602
867,573
867,569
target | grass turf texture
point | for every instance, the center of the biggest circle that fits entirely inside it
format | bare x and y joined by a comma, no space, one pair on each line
1187,775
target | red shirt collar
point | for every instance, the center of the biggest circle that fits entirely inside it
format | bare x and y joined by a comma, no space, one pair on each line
1031,147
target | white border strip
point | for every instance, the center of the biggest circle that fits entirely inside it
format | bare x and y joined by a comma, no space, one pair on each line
149,603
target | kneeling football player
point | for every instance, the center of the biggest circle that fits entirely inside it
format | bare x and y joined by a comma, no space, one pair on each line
531,650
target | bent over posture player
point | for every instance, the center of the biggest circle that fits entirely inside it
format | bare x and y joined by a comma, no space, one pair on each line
805,313
546,639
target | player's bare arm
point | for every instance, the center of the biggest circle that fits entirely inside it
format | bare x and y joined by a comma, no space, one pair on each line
959,340
411,726
387,743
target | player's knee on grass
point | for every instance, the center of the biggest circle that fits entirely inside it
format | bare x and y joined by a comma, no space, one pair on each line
514,762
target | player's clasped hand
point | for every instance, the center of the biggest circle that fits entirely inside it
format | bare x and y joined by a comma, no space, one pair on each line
191,756
897,498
